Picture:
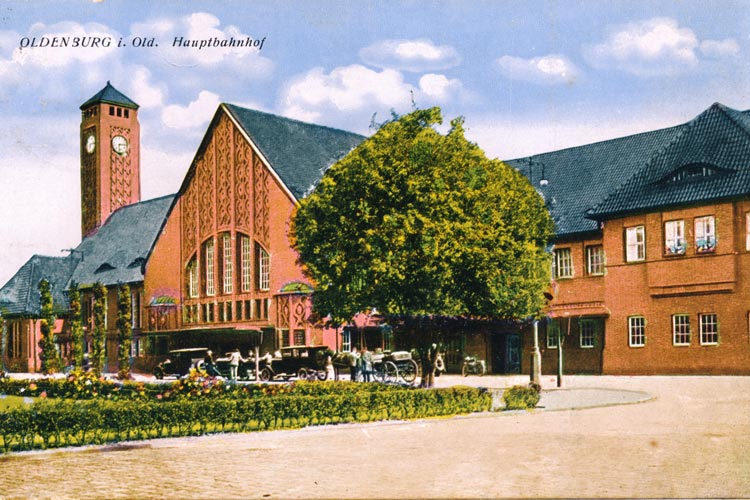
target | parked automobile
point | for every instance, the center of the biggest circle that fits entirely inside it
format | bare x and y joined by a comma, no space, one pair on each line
180,361
302,362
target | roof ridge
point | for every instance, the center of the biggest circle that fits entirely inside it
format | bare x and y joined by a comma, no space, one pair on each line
729,113
294,120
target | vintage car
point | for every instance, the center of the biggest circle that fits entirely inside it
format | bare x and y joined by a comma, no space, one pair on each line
303,362
180,361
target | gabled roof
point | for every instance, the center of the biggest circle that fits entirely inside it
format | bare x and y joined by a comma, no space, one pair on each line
631,174
708,160
298,152
118,251
20,295
110,95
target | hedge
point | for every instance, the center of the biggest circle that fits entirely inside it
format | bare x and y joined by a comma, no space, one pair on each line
51,423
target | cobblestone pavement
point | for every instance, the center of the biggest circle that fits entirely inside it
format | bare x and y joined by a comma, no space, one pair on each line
692,439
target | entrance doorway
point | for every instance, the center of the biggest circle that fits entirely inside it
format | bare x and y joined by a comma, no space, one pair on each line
506,353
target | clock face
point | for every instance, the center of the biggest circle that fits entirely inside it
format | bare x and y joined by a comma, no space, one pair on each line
90,144
120,144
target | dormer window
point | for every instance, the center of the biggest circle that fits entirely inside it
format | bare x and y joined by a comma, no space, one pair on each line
690,171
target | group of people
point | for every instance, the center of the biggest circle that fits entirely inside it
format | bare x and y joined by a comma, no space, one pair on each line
360,365
235,358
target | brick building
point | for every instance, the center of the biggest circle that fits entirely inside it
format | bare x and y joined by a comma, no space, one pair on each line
208,265
651,257
652,250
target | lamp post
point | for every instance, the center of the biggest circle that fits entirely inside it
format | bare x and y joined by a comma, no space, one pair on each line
536,357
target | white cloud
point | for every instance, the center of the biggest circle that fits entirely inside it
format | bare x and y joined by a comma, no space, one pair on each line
657,46
246,61
439,87
552,69
144,91
720,48
410,55
345,90
195,114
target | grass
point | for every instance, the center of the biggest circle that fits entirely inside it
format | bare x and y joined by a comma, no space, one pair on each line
12,402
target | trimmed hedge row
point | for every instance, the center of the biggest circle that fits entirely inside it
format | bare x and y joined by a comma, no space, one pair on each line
52,423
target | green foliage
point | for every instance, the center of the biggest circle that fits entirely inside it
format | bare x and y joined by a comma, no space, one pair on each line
99,337
76,325
124,332
414,222
66,422
48,354
521,397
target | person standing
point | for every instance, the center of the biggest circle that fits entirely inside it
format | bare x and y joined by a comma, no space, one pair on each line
234,363
354,364
209,365
366,364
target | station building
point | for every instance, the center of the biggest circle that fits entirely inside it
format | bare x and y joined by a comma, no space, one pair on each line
651,254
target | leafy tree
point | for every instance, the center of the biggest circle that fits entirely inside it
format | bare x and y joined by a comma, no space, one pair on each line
124,332
99,337
76,325
421,224
48,355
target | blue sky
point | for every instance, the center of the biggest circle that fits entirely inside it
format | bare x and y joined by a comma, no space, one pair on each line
528,77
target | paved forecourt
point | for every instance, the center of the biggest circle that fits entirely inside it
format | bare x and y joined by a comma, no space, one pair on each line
688,437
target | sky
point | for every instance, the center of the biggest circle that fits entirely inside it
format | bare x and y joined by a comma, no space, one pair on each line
528,77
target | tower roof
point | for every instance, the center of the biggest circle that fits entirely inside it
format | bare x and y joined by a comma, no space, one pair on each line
110,95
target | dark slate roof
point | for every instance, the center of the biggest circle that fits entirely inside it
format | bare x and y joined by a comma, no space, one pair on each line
716,142
631,174
580,177
110,95
20,295
299,152
118,251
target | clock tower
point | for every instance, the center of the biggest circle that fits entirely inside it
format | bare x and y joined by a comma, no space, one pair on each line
110,156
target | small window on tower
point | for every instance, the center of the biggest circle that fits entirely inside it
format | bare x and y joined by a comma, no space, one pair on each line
119,112
111,111
127,113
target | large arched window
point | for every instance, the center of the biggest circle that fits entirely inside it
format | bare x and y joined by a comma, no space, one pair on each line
191,278
227,268
209,264
245,253
263,268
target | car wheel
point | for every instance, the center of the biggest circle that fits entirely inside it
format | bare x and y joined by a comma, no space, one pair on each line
265,374
322,374
302,373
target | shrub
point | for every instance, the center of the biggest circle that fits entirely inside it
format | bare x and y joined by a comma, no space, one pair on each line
520,397
70,422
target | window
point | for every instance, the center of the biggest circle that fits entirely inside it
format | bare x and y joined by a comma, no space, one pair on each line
263,266
637,331
705,234
226,245
635,244
595,259
681,329
14,346
208,313
346,340
563,263
747,231
208,259
587,328
709,329
553,331
674,237
245,257
299,337
192,278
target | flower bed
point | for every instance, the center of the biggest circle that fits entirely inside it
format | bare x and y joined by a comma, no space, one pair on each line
199,405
